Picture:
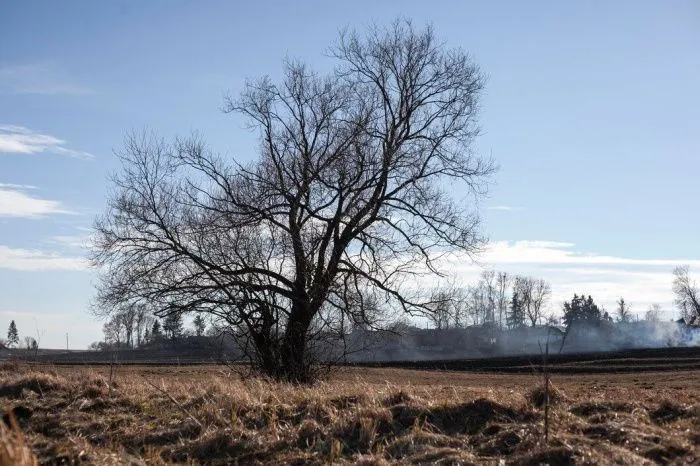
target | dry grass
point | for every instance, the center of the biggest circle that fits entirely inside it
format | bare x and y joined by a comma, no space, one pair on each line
363,416
14,450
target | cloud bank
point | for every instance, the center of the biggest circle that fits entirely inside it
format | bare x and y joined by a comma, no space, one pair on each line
641,282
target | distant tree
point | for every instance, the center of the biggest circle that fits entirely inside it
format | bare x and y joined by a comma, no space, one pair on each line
113,331
146,337
623,312
172,325
488,285
541,292
200,325
156,330
12,335
653,314
30,343
533,294
581,310
687,294
516,314
552,320
502,284
143,321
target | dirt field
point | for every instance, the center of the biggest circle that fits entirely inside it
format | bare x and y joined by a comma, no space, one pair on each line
208,414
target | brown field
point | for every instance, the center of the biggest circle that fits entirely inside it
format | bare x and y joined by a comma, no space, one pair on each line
209,414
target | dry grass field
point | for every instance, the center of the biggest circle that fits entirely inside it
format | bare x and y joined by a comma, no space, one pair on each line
209,414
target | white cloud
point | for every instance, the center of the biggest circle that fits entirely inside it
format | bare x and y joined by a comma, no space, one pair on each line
503,207
15,203
34,260
20,140
38,78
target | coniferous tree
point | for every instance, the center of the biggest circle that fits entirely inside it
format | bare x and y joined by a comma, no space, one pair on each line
172,325
12,335
516,313
582,310
156,331
199,325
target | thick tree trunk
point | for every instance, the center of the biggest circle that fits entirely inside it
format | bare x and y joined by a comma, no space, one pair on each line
296,366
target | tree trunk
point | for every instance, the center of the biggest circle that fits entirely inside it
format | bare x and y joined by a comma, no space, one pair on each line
296,367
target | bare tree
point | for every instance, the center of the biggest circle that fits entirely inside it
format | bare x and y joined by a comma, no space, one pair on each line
113,331
502,298
653,314
533,294
347,193
488,284
448,307
541,293
623,311
687,295
30,343
143,323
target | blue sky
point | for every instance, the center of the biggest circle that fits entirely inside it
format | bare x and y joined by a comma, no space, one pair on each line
592,111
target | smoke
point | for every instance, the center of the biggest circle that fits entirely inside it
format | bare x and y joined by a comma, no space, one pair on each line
414,344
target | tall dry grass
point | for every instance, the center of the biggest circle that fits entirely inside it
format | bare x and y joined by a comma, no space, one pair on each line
14,450
159,416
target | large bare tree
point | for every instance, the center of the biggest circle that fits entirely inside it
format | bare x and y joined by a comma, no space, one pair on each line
687,294
350,194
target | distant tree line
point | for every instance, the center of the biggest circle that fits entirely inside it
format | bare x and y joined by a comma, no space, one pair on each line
136,326
497,299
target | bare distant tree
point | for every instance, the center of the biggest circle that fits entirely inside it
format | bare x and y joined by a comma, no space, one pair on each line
30,343
623,311
488,285
114,331
441,312
502,296
348,191
541,293
449,307
533,294
653,314
687,295
144,322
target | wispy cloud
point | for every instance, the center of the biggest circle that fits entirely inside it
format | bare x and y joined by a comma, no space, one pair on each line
38,78
15,203
20,140
35,260
503,207
70,241
17,186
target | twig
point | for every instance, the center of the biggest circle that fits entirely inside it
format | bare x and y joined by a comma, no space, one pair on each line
182,408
